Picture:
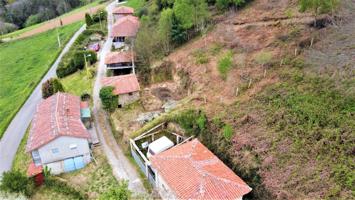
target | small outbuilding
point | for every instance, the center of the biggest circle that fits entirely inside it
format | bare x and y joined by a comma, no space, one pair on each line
36,172
126,88
122,11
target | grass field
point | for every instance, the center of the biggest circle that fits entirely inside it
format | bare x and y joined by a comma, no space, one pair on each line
22,65
21,31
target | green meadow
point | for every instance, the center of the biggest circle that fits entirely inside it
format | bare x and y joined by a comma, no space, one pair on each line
22,65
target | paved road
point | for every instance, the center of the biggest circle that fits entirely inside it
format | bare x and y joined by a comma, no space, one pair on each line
17,128
121,166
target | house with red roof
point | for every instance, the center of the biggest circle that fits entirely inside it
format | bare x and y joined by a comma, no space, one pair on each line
126,88
191,171
122,11
120,62
58,138
123,29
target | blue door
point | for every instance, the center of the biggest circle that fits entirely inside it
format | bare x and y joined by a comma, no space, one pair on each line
69,165
79,162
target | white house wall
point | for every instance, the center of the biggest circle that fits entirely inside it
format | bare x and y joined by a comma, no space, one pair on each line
63,145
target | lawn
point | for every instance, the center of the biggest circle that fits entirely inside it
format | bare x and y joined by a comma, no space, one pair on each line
136,4
22,65
78,83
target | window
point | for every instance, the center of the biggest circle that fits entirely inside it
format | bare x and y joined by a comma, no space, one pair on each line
36,158
130,94
55,150
73,146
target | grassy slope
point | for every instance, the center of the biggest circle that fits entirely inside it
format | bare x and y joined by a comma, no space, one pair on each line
21,31
22,65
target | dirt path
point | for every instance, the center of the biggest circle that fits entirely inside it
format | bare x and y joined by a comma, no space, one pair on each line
276,21
121,166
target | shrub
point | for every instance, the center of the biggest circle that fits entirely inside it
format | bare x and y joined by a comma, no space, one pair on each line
225,64
192,121
108,99
200,57
101,14
121,192
263,58
50,87
227,132
16,182
88,20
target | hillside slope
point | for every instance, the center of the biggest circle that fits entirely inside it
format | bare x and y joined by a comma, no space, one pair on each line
289,97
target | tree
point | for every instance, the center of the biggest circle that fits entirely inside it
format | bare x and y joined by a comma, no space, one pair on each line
50,87
165,25
108,99
191,13
16,182
88,19
121,192
178,34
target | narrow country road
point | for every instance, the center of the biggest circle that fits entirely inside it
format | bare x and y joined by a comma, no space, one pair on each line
18,126
121,166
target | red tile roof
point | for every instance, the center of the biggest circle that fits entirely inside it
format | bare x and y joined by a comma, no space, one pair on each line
58,115
123,84
33,170
194,172
118,57
123,10
125,27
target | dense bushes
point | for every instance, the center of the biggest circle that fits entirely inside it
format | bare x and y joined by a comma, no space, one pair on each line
16,182
50,87
75,62
63,188
108,99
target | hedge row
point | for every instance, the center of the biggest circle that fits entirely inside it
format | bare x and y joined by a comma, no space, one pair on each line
74,60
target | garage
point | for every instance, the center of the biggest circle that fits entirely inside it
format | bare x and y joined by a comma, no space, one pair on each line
72,164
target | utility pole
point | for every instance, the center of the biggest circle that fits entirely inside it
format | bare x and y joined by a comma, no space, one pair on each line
58,38
86,65
100,19
132,54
